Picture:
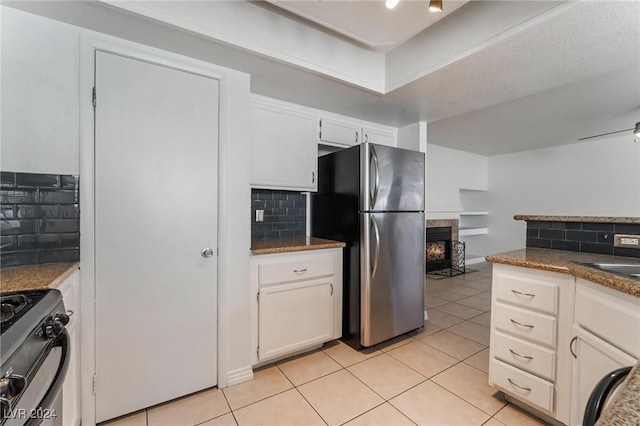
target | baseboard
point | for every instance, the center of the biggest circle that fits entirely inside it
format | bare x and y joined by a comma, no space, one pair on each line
240,375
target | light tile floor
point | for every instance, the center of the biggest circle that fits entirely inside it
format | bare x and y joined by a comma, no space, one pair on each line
435,376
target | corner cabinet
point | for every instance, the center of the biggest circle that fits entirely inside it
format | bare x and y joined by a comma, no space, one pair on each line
606,338
532,314
298,302
70,289
284,151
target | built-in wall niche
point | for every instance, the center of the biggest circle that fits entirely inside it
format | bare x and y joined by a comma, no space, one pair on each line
474,223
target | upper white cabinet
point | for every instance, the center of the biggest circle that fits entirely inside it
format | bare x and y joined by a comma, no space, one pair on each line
345,132
333,131
283,146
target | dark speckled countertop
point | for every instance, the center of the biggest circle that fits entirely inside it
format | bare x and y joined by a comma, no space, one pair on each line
35,277
285,245
564,262
624,409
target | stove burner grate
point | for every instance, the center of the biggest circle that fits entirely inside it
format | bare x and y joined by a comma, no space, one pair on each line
10,306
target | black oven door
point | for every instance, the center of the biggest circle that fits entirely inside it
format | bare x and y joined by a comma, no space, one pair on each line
36,404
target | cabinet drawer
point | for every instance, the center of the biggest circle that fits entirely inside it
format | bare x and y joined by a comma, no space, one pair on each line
522,385
609,314
526,290
524,355
527,324
295,269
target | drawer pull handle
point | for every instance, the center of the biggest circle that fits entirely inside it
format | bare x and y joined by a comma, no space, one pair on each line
300,271
521,325
519,293
331,290
518,386
575,338
520,355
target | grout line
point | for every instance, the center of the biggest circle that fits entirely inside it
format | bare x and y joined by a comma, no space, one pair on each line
469,402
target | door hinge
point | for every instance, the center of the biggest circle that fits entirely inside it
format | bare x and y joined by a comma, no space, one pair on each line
320,132
258,352
95,383
94,96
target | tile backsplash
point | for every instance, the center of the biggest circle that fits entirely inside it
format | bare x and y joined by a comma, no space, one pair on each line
584,237
285,214
40,218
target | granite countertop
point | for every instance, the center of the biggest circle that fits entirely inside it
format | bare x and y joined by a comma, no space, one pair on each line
623,409
563,262
35,277
590,219
285,245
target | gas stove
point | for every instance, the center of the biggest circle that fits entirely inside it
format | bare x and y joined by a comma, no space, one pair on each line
34,354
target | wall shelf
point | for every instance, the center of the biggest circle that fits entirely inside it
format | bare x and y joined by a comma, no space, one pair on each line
465,232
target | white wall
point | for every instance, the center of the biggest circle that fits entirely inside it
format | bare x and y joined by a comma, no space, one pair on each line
593,178
40,92
449,171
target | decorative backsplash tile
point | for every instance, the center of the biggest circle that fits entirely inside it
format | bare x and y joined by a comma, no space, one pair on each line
285,214
584,237
40,218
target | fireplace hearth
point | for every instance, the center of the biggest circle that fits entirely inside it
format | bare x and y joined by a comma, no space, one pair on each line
445,255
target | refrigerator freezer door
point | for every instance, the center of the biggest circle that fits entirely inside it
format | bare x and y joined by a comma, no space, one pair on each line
392,271
393,179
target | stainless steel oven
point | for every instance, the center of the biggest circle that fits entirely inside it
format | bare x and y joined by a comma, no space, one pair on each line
34,353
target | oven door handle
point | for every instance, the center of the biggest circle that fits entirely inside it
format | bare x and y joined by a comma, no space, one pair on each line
56,386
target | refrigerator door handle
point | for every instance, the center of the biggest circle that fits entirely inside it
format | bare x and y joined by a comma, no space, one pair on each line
374,267
376,163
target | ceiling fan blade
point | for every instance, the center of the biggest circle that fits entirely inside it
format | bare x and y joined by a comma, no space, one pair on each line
604,134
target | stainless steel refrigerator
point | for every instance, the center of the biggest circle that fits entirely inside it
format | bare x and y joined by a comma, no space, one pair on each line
372,198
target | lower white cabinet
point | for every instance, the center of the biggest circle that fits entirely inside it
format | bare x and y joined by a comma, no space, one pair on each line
71,388
531,318
298,301
606,338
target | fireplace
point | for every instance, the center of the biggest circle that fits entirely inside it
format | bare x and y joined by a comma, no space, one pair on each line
444,253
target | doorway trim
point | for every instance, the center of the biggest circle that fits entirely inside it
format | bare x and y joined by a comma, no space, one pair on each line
234,94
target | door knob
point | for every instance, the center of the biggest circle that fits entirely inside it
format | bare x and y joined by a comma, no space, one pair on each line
207,252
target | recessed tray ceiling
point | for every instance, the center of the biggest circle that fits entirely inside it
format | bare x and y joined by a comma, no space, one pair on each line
369,22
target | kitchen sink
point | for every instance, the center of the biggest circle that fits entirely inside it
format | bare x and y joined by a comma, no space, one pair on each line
629,270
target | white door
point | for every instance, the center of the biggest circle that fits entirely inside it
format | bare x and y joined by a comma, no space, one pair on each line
156,146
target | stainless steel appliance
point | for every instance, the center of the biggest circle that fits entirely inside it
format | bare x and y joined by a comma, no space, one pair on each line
372,198
34,354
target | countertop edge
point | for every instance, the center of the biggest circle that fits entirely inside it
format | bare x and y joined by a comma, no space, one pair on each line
291,249
590,219
63,276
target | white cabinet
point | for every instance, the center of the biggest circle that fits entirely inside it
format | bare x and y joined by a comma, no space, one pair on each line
531,321
71,387
606,338
284,151
345,132
298,302
339,132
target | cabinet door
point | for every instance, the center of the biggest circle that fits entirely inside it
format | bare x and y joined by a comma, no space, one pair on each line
294,316
594,359
284,149
339,132
379,136
71,387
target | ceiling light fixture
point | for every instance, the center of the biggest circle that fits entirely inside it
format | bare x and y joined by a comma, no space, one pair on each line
435,6
391,3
